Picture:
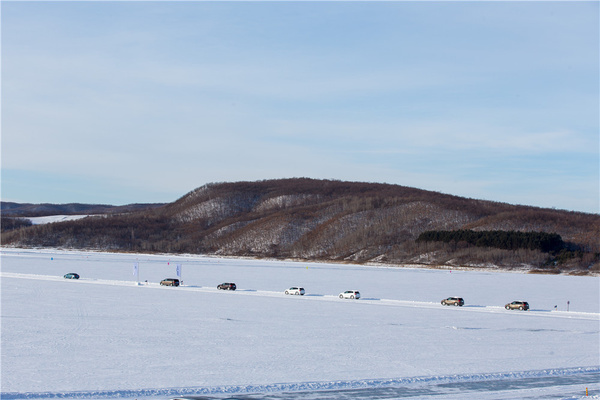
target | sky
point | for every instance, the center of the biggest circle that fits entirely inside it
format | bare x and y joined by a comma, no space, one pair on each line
142,102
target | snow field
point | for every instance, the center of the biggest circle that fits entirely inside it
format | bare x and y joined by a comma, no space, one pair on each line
105,333
54,218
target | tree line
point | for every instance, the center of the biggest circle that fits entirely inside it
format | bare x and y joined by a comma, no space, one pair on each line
11,223
507,240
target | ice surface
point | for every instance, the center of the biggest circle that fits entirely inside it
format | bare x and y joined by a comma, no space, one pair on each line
105,334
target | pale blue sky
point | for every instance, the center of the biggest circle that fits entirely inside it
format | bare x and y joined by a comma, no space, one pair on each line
129,102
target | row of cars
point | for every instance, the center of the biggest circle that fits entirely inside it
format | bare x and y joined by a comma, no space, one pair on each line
459,301
177,282
348,294
294,290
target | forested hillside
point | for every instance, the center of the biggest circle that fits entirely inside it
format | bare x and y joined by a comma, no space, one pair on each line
331,220
37,210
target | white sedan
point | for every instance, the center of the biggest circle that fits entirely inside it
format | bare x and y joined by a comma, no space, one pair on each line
295,290
350,294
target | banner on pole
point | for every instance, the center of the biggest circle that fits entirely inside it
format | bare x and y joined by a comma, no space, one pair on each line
135,269
178,268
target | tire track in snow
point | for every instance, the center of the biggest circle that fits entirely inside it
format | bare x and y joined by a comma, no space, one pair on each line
314,297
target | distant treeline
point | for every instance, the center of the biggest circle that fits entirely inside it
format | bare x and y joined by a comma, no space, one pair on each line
508,240
9,223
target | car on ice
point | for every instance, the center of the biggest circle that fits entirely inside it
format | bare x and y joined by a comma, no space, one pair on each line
169,282
453,301
295,290
517,305
227,286
71,275
350,294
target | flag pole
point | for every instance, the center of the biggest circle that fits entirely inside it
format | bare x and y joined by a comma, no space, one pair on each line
178,269
136,272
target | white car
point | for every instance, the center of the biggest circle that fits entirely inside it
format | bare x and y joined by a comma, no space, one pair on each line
350,294
295,290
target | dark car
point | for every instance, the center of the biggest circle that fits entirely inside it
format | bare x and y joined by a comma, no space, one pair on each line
227,286
71,275
517,305
453,301
169,282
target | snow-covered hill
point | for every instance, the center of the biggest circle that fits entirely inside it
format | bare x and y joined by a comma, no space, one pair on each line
324,220
105,336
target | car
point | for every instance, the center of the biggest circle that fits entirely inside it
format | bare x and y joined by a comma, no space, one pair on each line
227,286
350,294
453,301
71,275
169,282
295,290
517,305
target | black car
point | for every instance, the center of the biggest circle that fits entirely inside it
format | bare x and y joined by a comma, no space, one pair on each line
169,282
227,286
71,275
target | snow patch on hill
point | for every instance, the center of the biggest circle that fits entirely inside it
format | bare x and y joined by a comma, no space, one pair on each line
54,218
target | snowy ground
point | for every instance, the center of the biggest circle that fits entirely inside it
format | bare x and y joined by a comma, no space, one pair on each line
103,336
54,218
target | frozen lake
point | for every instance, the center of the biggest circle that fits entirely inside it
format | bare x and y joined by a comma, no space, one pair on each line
103,336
